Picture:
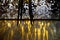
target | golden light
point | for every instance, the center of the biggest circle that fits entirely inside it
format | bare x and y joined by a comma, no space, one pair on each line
9,24
39,30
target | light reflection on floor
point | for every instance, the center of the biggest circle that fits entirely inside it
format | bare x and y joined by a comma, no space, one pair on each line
38,30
